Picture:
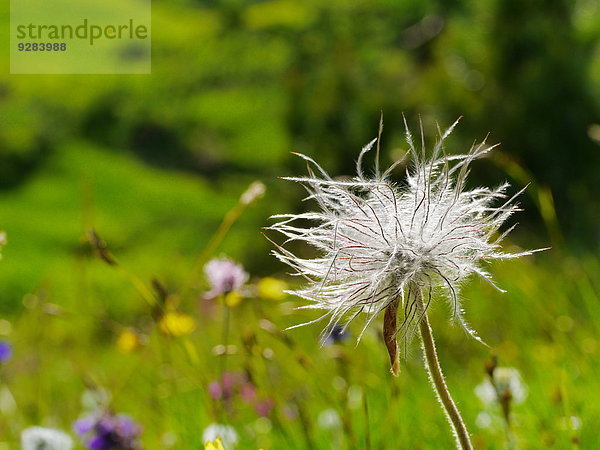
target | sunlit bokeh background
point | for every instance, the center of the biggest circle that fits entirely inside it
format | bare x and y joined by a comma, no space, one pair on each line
154,163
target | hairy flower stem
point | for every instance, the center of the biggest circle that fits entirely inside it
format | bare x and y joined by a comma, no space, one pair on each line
437,379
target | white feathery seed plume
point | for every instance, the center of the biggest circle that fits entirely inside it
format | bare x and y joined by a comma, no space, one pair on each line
40,438
380,242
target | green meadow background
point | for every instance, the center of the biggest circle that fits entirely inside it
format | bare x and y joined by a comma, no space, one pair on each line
154,162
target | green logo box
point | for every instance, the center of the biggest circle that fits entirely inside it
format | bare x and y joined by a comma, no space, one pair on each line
80,36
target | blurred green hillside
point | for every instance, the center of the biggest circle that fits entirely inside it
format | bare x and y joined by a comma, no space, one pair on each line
156,220
236,85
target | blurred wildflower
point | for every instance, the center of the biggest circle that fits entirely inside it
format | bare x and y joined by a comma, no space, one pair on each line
505,383
337,335
39,438
6,351
248,392
231,382
128,341
264,407
221,349
484,420
214,390
224,277
229,385
227,435
503,386
255,191
271,288
177,324
486,393
572,423
386,248
236,386
217,444
233,298
106,431
329,419
268,353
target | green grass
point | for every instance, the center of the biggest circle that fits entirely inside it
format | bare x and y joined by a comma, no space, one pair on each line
66,310
157,221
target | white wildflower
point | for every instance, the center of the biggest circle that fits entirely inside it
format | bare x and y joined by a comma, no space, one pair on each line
329,419
507,384
228,435
39,438
486,392
483,420
572,423
255,191
387,246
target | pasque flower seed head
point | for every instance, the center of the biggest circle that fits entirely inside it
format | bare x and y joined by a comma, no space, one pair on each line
378,242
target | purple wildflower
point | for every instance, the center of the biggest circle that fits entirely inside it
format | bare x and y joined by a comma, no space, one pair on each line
227,387
108,432
236,386
264,407
215,391
230,381
224,276
6,351
248,392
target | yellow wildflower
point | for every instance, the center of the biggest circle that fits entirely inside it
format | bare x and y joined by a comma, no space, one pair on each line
217,444
271,288
177,324
233,299
128,341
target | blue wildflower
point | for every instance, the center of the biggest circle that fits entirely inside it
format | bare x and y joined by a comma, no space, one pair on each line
6,351
337,335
